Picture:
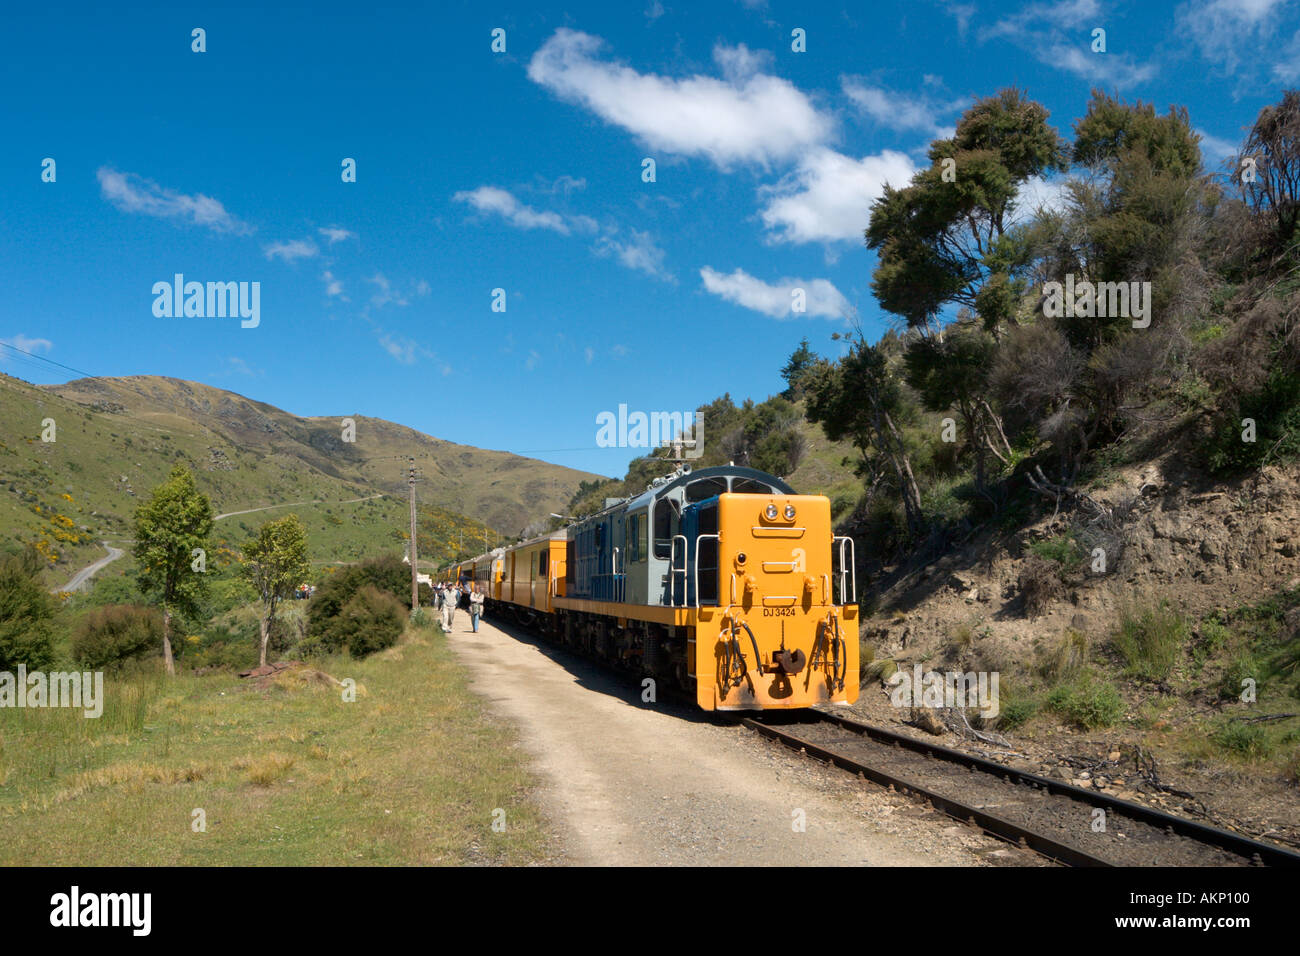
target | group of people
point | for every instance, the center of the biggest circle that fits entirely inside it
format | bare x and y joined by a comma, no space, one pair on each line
448,597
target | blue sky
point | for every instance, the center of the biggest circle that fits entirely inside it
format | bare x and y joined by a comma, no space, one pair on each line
522,171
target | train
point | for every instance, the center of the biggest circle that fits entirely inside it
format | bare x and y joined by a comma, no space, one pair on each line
721,581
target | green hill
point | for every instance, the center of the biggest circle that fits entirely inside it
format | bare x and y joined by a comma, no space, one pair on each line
116,438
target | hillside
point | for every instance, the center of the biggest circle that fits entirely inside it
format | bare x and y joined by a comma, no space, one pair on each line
116,438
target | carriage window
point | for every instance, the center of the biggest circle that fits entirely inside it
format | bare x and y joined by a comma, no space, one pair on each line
543,562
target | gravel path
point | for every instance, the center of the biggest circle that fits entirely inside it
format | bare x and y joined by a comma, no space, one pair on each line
82,576
629,783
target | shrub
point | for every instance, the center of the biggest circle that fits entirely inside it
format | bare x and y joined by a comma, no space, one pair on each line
326,631
1087,703
1248,741
1040,584
26,612
1062,550
1241,667
371,621
421,618
108,636
1013,713
1149,640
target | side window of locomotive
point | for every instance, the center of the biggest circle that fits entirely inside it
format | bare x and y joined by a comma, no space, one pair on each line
663,529
543,562
642,531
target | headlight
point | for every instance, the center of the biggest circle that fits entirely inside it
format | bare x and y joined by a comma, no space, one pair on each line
789,512
771,512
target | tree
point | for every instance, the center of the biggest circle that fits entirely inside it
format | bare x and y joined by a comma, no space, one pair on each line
1272,189
171,537
948,237
856,400
801,360
275,563
26,612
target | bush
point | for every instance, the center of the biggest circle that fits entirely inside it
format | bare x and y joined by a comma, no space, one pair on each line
1063,550
26,612
108,636
372,621
1015,712
422,618
1241,667
1087,703
1149,641
1040,584
326,631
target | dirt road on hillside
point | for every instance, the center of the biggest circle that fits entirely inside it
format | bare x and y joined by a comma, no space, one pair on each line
627,783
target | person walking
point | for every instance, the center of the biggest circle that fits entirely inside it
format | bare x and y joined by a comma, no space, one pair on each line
451,598
476,599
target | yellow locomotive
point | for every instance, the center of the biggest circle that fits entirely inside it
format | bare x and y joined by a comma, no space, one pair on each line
722,581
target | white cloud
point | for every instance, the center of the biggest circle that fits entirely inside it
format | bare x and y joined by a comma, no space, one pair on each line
132,193
1215,150
639,252
1060,35
490,199
828,197
26,344
291,250
900,111
776,299
386,294
1115,69
401,347
589,354
1232,33
333,286
747,117
336,234
238,366
1037,193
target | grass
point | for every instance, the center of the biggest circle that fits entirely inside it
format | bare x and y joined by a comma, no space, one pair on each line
410,773
1149,641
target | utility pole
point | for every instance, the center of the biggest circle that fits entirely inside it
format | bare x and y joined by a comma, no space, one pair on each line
415,578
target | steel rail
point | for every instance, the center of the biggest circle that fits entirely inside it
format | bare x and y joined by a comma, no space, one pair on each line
1269,854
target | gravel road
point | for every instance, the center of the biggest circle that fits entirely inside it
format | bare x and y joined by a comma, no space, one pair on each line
632,783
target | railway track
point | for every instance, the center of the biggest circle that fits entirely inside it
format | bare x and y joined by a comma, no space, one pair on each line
1067,824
